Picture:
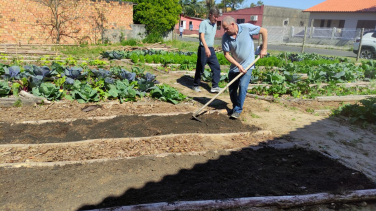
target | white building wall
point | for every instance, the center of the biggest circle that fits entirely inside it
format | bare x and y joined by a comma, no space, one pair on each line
351,19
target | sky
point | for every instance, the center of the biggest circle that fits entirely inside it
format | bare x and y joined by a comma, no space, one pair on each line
297,4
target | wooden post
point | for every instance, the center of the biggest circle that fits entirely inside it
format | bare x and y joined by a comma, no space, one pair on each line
304,39
360,44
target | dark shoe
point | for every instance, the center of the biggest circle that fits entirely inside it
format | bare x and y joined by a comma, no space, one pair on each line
235,115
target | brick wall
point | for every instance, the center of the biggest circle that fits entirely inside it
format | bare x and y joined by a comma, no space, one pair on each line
21,21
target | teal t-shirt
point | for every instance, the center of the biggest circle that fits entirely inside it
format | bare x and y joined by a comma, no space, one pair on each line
209,30
241,48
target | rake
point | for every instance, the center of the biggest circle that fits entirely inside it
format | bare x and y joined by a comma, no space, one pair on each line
195,114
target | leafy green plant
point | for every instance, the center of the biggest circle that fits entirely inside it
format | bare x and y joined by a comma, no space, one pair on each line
16,89
129,42
134,58
83,92
363,111
4,88
122,90
70,61
167,93
48,91
97,62
274,77
153,37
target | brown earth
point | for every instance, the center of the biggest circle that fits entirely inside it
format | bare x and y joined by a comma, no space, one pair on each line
149,177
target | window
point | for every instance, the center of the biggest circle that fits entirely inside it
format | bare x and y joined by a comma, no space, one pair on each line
329,23
374,35
301,23
322,23
239,21
367,24
285,23
190,25
341,24
219,25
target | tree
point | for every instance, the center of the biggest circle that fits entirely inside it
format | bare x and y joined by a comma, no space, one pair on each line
60,21
259,3
192,8
100,21
234,4
158,16
209,4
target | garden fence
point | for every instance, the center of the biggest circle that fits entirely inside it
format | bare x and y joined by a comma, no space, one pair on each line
314,35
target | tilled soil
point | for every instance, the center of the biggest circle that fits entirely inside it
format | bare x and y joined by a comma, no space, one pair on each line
94,150
119,127
211,175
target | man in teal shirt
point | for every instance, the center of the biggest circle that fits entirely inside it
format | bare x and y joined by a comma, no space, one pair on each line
206,53
238,48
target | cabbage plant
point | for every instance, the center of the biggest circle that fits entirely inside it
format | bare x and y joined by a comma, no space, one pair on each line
48,91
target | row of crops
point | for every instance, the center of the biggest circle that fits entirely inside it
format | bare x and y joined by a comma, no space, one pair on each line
284,74
187,59
84,84
287,79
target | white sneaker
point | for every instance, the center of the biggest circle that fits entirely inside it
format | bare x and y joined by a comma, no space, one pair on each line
215,90
196,89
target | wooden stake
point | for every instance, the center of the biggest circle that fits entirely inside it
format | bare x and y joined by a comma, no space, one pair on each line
304,39
360,44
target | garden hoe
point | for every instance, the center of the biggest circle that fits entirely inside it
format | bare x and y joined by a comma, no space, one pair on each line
195,114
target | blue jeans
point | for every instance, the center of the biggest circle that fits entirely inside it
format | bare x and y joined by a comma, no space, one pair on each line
242,83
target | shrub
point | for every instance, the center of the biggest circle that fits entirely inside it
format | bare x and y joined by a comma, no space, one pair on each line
153,37
130,42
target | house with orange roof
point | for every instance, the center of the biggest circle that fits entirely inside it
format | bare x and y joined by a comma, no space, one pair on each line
344,14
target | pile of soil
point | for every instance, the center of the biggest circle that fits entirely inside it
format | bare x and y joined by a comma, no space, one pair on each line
119,127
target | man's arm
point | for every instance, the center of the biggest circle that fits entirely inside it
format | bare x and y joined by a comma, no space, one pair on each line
232,61
264,34
207,50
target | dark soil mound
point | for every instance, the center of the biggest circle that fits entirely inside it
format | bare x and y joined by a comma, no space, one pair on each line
119,127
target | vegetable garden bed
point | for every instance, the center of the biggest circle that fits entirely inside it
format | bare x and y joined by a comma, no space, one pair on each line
173,158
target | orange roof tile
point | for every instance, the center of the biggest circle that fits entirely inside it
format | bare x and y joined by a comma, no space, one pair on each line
344,6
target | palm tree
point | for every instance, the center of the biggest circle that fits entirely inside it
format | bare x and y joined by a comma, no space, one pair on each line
209,4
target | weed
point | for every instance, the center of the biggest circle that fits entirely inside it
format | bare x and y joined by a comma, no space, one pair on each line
18,103
253,115
294,108
310,110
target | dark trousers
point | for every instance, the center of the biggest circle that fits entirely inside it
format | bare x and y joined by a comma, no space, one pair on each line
213,63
